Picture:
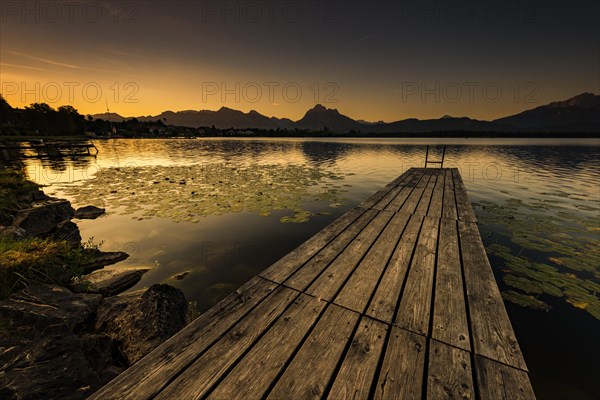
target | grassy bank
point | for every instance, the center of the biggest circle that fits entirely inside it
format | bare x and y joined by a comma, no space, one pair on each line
27,260
16,192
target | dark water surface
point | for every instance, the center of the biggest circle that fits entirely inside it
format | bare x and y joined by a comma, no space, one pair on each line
224,210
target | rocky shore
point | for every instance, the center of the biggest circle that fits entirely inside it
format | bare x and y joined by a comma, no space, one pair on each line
65,335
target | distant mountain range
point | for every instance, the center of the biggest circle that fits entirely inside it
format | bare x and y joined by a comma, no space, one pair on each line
577,114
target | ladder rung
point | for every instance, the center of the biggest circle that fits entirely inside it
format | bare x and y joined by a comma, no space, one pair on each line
434,162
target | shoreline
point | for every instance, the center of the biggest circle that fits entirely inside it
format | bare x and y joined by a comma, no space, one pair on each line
66,324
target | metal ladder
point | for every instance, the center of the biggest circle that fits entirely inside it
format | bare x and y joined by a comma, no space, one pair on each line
435,162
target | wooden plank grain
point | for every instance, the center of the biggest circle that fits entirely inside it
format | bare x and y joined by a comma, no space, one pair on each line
287,265
415,304
493,335
399,200
463,205
499,381
384,301
449,311
356,374
449,207
382,204
149,375
423,205
396,204
199,377
309,271
358,289
401,375
313,366
449,374
253,375
333,277
401,180
435,206
413,200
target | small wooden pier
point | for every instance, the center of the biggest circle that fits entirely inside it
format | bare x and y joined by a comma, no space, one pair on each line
46,149
396,299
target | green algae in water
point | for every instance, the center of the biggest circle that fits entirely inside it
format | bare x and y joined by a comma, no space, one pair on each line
189,193
525,300
299,217
552,253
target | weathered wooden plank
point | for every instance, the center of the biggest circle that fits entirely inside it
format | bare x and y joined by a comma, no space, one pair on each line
411,179
423,205
332,278
356,374
464,209
312,368
199,377
499,381
375,198
287,265
256,371
358,289
449,311
435,206
449,208
305,275
449,374
385,299
398,201
383,203
415,305
149,375
401,375
413,200
406,185
253,375
493,335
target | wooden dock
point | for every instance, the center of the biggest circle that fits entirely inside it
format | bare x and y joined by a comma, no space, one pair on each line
46,149
396,299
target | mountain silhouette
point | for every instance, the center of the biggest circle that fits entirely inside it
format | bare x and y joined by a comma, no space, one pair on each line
223,118
577,114
580,113
321,118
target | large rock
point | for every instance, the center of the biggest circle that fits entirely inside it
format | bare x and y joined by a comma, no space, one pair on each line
66,230
98,349
47,364
40,305
108,282
88,212
43,217
141,321
33,196
41,356
100,259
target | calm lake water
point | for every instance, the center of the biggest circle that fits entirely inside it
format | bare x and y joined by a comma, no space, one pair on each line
206,215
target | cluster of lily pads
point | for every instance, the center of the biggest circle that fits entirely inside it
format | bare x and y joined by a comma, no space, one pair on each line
189,193
545,249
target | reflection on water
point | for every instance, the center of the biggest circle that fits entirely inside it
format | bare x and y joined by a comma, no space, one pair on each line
537,202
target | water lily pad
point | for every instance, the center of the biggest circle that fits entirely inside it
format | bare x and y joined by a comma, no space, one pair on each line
550,253
525,300
189,193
